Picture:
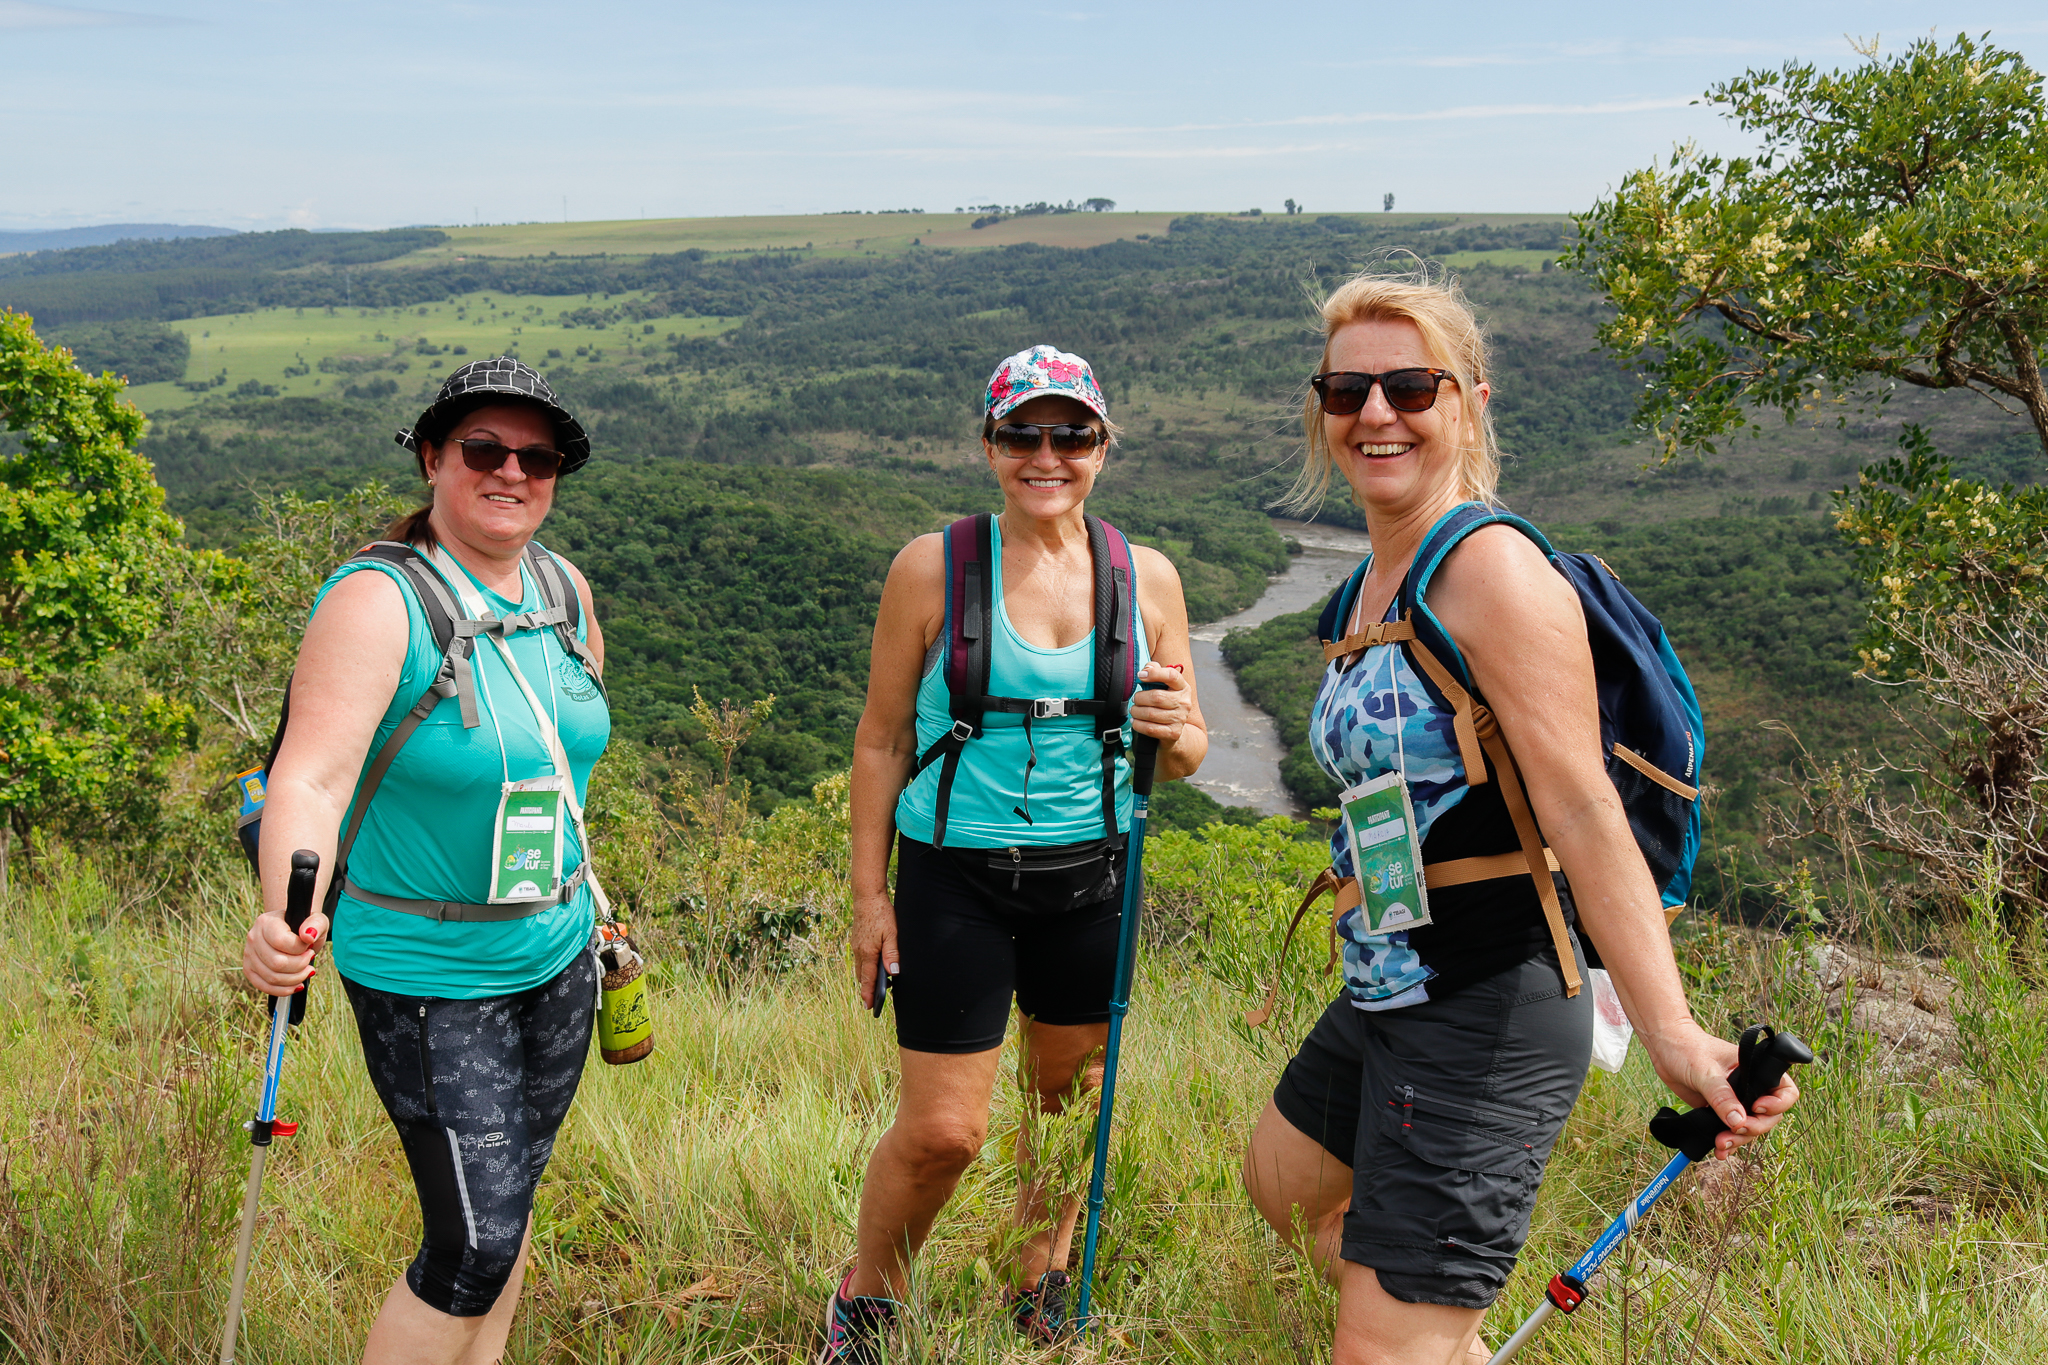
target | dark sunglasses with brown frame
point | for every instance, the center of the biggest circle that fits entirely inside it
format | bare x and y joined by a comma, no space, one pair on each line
1343,392
487,457
1019,439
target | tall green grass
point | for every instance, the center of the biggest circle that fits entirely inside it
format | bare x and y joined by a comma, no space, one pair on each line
701,1203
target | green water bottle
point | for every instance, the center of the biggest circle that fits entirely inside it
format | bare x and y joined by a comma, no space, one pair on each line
625,1026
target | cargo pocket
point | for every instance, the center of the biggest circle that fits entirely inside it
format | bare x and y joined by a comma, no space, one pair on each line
1471,1171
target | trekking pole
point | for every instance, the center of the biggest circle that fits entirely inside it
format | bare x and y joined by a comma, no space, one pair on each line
1766,1056
297,905
1144,752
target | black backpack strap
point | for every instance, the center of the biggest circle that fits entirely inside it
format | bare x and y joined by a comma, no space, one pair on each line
967,636
1116,650
964,637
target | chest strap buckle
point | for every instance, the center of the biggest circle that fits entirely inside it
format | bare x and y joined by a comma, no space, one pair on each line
1047,708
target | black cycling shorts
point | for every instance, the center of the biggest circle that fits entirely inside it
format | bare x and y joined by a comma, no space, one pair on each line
477,1090
965,950
1446,1112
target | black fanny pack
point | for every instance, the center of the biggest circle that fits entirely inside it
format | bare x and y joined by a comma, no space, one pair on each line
1047,880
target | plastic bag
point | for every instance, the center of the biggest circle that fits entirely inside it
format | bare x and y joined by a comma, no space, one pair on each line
1611,1028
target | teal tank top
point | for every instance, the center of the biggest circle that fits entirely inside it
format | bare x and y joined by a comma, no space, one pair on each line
989,787
427,834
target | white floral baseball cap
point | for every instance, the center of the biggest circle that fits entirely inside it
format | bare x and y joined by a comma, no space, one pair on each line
1040,371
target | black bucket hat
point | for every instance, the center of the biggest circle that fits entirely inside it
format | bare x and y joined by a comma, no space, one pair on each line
481,383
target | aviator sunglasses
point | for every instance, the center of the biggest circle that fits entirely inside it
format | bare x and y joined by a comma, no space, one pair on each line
1343,392
488,457
1019,439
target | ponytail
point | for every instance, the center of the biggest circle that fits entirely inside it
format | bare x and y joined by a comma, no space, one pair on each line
413,528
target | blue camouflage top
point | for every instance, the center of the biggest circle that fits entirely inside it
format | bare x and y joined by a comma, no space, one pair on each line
1365,721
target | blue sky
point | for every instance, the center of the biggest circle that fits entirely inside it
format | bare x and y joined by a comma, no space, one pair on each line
262,113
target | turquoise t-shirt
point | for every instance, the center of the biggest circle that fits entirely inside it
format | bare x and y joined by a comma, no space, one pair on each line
989,787
428,835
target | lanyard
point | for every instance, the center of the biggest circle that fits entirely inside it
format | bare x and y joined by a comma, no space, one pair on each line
550,735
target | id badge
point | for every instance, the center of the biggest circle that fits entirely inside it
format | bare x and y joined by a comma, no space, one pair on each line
526,854
1379,822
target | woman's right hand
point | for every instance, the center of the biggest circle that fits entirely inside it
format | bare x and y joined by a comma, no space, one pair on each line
874,941
277,961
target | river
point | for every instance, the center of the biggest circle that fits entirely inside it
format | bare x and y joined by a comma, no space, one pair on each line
1243,767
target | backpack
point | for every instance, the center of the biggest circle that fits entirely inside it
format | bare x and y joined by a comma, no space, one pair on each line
1650,724
970,618
455,635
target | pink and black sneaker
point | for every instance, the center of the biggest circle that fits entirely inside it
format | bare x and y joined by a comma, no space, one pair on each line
855,1327
1042,1314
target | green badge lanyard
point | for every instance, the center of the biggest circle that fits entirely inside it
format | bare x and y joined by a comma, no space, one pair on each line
1379,820
524,804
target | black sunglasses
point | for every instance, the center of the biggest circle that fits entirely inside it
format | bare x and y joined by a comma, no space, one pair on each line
487,457
1021,438
1343,392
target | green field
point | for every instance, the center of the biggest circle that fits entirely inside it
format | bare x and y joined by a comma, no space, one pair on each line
870,234
269,345
830,234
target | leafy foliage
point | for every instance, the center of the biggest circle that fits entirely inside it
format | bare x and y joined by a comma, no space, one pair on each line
82,526
1891,231
1933,546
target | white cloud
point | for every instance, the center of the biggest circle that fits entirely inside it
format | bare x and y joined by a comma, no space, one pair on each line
24,14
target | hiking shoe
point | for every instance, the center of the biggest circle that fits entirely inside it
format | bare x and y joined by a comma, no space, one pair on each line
1041,1314
854,1327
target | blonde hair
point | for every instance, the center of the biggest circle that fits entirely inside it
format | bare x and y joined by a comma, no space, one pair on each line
1452,338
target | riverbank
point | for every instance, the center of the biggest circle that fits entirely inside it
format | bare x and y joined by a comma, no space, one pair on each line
1245,749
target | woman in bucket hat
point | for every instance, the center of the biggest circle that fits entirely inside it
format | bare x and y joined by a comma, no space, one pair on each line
1041,786
473,995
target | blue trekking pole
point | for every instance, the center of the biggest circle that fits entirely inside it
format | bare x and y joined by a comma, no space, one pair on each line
1766,1056
1144,753
298,904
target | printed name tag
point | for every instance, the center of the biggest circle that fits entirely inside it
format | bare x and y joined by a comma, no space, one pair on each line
1379,822
526,854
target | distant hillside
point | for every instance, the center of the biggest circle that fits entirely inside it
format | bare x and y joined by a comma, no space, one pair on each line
60,239
830,402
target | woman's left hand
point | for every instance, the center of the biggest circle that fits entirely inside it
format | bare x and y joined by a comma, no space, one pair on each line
1161,711
1696,1065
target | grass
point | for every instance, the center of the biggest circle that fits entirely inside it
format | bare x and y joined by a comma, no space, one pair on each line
701,1204
267,345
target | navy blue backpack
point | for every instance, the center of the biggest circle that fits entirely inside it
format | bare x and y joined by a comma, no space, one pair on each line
1650,724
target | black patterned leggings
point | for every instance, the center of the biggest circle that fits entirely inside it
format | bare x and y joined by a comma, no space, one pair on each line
477,1090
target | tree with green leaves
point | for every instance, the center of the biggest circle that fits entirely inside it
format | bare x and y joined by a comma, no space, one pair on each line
82,524
1892,229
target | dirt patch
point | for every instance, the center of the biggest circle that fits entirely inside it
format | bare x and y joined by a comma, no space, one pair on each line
1902,1003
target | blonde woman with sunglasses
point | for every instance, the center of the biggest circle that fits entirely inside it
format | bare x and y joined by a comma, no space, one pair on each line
1404,1144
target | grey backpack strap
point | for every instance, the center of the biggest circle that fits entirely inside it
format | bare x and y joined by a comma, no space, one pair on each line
453,630
444,619
559,594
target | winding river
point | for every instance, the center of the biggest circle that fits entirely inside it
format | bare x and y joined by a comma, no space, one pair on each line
1243,767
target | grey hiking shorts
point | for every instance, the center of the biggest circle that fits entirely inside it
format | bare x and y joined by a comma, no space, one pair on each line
1446,1113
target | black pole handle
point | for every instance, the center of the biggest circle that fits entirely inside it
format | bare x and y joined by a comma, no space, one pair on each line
1144,753
1766,1055
298,904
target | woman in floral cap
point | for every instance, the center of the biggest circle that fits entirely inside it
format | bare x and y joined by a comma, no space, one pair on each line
993,754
